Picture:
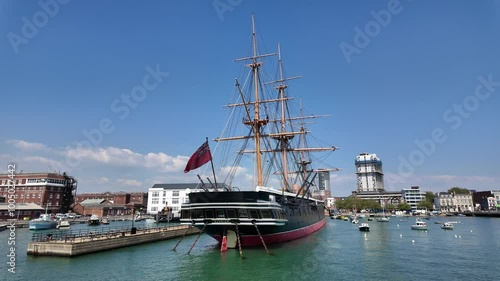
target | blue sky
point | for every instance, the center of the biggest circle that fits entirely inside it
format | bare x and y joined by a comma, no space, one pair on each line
407,80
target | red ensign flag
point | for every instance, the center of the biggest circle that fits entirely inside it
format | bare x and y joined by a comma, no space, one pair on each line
199,158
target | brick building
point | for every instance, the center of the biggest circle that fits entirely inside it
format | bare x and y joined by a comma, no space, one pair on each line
101,208
52,190
137,199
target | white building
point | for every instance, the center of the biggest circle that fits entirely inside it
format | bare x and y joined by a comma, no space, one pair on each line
496,195
369,173
171,195
449,202
413,196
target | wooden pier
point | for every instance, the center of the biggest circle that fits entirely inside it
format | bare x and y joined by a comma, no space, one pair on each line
71,244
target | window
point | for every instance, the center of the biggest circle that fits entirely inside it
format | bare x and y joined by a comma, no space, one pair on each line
58,196
186,214
231,213
155,194
220,213
253,214
209,214
243,213
175,200
198,214
175,193
155,201
154,209
265,214
163,201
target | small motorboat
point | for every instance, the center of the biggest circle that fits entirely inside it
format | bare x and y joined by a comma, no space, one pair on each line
63,224
94,220
447,226
364,227
419,225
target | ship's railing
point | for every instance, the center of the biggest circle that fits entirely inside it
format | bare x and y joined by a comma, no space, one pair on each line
69,236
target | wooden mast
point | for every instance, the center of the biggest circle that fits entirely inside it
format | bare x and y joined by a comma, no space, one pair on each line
257,122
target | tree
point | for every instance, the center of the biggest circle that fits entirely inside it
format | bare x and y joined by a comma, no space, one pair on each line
404,207
429,199
424,205
458,190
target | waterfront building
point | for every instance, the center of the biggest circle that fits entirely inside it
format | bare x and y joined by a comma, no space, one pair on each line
496,196
464,202
52,190
140,199
171,195
370,177
444,202
101,208
330,202
22,211
451,202
480,200
413,196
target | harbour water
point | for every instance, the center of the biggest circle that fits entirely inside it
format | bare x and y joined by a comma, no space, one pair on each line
390,251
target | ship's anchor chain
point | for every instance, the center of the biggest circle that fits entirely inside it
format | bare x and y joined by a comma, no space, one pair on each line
261,239
238,237
196,240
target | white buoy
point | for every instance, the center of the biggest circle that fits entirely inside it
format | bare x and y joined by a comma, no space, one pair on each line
471,230
401,235
398,225
412,241
456,236
459,236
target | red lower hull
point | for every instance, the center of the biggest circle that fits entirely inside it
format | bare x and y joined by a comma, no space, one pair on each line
254,240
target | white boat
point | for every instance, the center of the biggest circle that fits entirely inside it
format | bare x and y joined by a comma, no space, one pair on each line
45,221
105,221
94,220
419,225
447,225
63,224
364,227
383,219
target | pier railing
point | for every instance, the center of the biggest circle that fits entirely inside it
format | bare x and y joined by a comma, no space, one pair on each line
69,236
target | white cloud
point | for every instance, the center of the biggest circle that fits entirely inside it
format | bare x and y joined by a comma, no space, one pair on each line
24,145
126,157
128,182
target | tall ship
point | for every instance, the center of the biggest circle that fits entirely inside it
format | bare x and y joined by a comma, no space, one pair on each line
270,135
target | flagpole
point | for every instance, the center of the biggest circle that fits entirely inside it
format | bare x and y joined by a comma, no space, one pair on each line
213,170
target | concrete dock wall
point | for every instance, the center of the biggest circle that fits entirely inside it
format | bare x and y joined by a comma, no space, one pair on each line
81,246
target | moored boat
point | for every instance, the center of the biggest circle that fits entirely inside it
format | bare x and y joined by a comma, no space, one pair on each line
364,227
447,226
45,221
419,225
63,224
94,220
265,214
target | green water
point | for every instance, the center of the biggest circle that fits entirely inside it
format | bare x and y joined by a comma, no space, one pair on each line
390,251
